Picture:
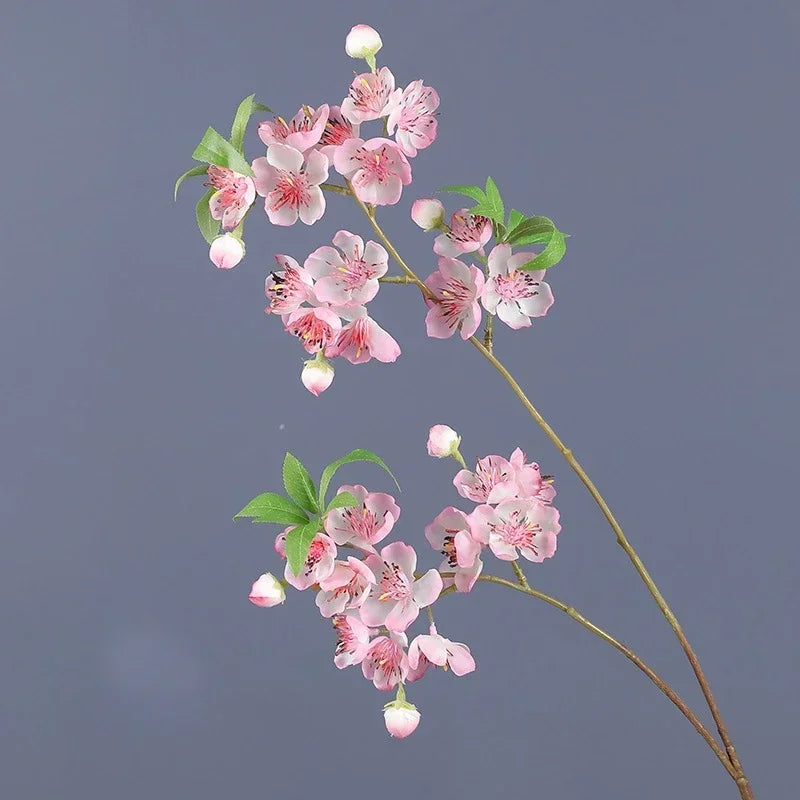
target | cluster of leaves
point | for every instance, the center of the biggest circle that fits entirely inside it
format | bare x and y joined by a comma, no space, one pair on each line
215,149
305,505
518,230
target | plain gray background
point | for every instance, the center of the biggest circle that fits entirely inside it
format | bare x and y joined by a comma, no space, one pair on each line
146,398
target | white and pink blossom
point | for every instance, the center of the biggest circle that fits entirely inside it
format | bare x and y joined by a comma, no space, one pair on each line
291,191
377,168
316,328
443,441
515,295
363,339
234,196
456,288
267,591
338,129
317,374
302,132
368,95
353,640
441,652
226,251
386,661
401,720
396,598
288,288
451,534
345,588
494,480
362,41
412,113
347,273
428,213
467,233
363,525
518,527
319,562
530,483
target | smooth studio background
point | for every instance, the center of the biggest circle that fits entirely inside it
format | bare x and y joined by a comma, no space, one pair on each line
146,397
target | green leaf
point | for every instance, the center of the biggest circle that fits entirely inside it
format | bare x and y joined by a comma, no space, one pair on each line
298,543
514,218
353,455
551,254
475,192
495,202
343,500
271,507
209,226
261,107
190,173
214,149
298,483
531,226
243,113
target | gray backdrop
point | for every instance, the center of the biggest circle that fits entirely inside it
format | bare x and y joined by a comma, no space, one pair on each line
146,397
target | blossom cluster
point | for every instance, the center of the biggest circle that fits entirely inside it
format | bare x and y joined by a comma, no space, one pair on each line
373,596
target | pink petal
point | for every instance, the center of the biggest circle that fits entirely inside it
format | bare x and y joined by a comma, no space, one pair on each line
460,659
310,213
434,648
402,615
428,588
283,157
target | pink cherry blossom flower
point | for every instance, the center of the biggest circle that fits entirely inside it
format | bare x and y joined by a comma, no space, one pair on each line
315,327
362,41
226,251
386,661
457,288
288,288
427,213
234,196
317,375
369,93
400,720
395,600
319,564
345,588
520,525
412,112
468,233
529,479
347,276
377,169
363,339
289,190
366,524
353,640
338,130
451,534
443,441
267,591
302,132
494,480
442,652
515,295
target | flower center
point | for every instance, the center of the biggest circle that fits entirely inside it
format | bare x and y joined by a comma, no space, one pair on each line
292,190
467,229
361,521
386,656
286,290
517,285
377,165
518,531
394,585
454,301
313,331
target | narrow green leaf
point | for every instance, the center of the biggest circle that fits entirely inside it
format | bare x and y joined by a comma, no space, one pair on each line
261,107
495,201
552,253
209,226
531,226
271,507
298,543
298,483
343,500
240,121
190,173
353,455
514,219
475,192
215,149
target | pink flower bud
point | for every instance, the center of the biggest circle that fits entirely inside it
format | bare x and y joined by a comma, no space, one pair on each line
317,375
401,719
443,441
362,42
226,251
427,213
267,591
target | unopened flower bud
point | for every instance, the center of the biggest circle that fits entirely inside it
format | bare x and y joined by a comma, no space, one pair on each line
362,42
427,213
317,375
226,251
443,441
400,716
267,591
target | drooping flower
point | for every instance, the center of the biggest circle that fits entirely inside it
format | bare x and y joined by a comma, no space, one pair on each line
347,276
427,213
302,132
468,233
363,339
518,526
267,591
345,588
289,190
315,327
353,640
530,483
319,563
368,95
386,661
226,251
438,650
457,288
494,480
362,41
443,441
451,534
412,112
515,295
234,196
365,524
317,374
377,169
396,598
288,288
338,129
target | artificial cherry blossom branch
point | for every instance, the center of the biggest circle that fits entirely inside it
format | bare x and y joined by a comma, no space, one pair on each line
599,500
